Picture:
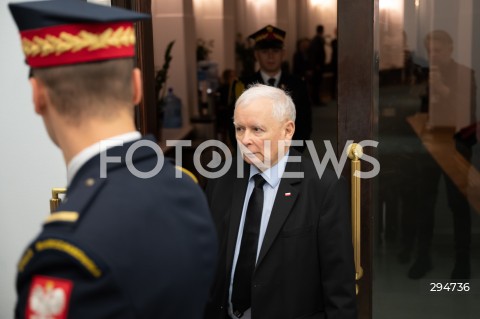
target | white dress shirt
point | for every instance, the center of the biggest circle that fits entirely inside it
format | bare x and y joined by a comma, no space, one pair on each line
266,77
272,177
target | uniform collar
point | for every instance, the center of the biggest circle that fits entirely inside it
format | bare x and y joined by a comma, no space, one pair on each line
89,152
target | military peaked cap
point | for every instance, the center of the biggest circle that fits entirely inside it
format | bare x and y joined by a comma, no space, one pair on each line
61,32
268,37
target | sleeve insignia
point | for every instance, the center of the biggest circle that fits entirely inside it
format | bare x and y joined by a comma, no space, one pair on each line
49,298
25,260
237,90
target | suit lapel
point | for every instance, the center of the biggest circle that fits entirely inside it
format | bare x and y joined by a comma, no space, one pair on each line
239,191
287,194
283,83
259,79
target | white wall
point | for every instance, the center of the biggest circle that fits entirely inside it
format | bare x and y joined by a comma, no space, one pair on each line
310,14
287,20
214,21
30,165
253,15
174,20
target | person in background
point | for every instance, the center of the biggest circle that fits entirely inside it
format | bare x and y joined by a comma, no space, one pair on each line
334,64
224,113
317,57
269,53
285,233
300,59
131,239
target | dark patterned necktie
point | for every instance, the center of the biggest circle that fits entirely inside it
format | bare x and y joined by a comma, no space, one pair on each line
242,280
271,81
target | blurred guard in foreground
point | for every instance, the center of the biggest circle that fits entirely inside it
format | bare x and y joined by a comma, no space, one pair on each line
131,240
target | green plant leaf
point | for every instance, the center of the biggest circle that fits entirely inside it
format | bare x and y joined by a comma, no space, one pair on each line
162,74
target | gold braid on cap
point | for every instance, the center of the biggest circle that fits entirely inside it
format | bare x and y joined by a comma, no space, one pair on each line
265,35
67,42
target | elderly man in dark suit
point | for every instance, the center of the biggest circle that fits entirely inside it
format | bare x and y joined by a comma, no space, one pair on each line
131,240
284,231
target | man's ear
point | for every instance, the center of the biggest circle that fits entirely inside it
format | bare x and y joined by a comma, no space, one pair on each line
39,96
256,53
137,86
289,129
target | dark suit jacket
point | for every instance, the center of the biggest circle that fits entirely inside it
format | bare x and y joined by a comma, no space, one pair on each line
140,248
298,91
305,267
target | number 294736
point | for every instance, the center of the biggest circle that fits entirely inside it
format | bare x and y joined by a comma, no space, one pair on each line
449,287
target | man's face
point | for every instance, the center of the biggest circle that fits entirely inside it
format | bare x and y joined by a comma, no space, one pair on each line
258,133
270,60
439,53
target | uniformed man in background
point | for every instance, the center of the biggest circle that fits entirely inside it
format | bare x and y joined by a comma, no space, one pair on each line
130,240
269,53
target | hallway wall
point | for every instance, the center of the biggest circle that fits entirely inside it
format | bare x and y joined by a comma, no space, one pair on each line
30,165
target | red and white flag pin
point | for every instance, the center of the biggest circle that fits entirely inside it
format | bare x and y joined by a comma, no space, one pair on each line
288,194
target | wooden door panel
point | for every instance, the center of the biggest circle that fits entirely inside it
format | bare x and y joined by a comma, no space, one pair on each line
356,101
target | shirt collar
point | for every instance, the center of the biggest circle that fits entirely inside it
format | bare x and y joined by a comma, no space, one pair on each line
272,175
87,153
266,77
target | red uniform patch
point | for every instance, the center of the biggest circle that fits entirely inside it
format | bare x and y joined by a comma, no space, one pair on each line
49,298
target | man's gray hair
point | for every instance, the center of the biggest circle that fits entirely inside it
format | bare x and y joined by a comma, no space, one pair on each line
283,107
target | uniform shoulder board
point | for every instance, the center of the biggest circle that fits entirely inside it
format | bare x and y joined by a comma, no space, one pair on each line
187,172
61,246
236,89
62,216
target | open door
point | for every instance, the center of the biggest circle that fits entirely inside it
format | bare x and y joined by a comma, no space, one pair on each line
422,168
356,114
408,79
146,115
357,91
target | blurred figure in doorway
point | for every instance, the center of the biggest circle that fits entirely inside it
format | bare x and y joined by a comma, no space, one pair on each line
301,66
317,57
450,100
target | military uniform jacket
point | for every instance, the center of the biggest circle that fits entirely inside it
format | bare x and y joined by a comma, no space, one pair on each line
305,266
297,89
121,246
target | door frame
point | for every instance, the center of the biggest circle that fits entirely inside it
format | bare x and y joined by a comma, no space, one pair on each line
146,112
357,104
